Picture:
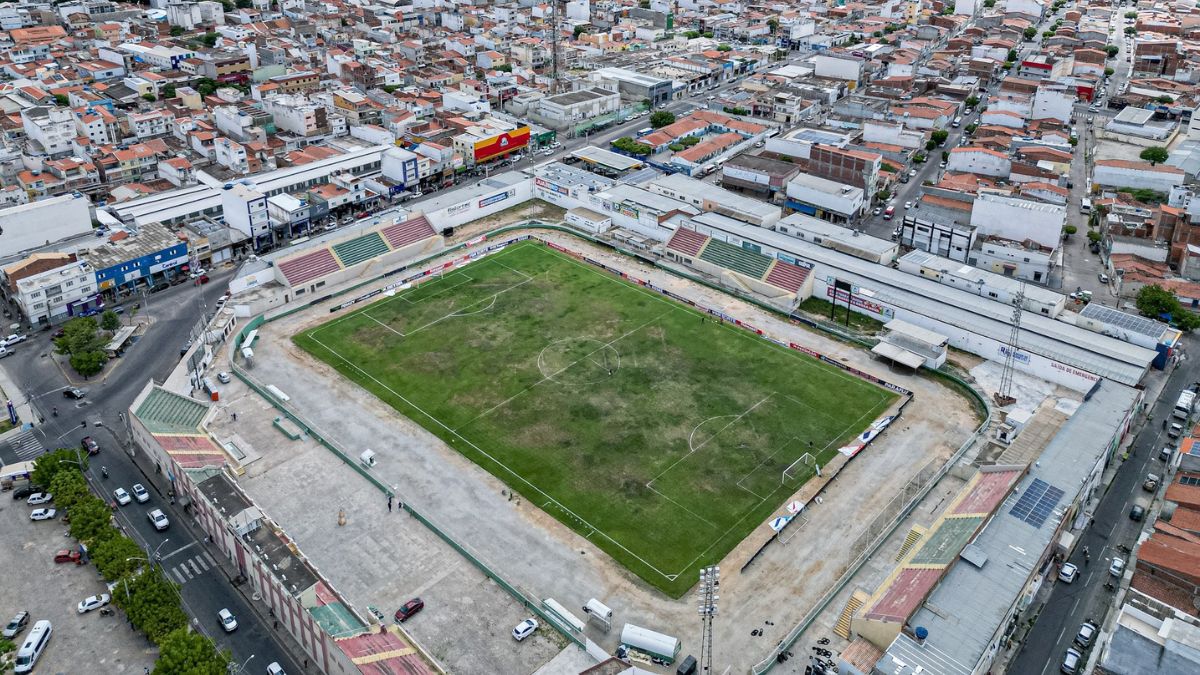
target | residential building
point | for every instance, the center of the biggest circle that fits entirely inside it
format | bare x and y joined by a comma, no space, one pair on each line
51,287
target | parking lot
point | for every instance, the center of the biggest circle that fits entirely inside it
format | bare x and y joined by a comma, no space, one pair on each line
34,582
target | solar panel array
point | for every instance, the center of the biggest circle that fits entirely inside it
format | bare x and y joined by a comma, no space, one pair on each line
1038,502
1123,320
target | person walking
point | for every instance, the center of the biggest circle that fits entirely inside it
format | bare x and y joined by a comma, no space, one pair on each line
389,503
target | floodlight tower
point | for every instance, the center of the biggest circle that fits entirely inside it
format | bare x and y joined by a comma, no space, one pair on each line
710,583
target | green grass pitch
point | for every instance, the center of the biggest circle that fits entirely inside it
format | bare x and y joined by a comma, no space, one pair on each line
656,433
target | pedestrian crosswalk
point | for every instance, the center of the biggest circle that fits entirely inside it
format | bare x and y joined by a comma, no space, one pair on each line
192,567
26,446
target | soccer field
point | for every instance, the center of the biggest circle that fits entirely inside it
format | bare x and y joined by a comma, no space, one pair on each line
656,433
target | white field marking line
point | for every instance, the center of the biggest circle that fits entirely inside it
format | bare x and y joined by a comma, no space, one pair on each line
691,446
383,324
764,461
483,309
541,358
697,448
379,303
458,312
551,376
440,281
516,271
692,513
481,451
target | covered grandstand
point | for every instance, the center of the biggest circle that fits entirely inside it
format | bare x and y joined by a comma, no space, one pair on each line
787,283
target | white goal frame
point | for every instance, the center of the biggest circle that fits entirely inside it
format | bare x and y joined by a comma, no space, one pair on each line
806,459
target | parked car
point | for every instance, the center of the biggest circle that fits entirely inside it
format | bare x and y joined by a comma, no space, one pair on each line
907,205
25,490
38,498
1137,512
223,377
1117,568
140,494
1070,662
74,392
158,519
1087,633
122,497
408,609
13,339
275,669
93,602
1151,482
42,514
228,621
878,210
18,624
1068,573
90,445
67,555
1103,277
203,279
524,629
5,351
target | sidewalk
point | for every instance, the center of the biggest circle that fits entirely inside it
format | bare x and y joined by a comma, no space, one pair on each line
27,417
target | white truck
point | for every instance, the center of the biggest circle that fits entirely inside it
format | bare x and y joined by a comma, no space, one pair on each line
1185,405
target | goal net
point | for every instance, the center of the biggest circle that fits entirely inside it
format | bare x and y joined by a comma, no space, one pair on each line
800,469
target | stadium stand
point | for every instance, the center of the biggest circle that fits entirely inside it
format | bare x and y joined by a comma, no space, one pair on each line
164,412
786,276
687,242
308,266
408,232
743,261
360,248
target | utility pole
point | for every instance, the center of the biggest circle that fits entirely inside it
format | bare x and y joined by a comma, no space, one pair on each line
710,582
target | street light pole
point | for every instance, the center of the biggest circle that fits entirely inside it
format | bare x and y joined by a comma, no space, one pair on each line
710,582
233,669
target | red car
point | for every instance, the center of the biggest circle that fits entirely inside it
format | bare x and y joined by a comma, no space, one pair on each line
68,555
409,608
204,278
90,445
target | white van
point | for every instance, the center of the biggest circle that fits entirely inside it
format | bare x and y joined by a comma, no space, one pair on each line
957,122
33,646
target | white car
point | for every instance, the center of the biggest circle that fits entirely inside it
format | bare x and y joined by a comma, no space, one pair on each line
42,514
1068,573
907,205
912,173
94,602
14,339
1117,568
223,377
275,669
140,494
228,622
39,498
158,519
524,629
122,496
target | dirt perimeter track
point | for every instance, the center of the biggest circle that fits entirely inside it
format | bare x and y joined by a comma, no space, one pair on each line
526,546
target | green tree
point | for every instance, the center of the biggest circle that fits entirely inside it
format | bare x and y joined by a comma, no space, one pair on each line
877,34
1186,321
773,24
168,91
1164,99
939,136
1012,55
692,34
1130,15
889,167
1047,34
1007,65
689,141
227,6
90,518
883,195
182,651
210,39
676,147
68,488
88,363
580,30
919,158
111,555
50,464
661,119
1070,230
243,4
1108,72
972,101
176,31
1094,237
1112,50
1030,32
930,144
632,147
945,156
1130,30
61,100
708,34
989,3
1154,301
724,48
970,128
504,67
1155,154
1073,141
152,603
149,97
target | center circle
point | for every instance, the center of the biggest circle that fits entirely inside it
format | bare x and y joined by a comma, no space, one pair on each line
578,361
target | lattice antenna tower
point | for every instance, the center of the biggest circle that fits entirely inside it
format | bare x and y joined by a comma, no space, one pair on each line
1004,395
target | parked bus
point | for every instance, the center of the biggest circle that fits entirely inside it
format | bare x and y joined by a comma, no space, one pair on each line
643,132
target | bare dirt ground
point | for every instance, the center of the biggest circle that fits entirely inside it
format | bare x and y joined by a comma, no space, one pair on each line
530,548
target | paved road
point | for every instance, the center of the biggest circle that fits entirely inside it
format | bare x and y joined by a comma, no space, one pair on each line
185,558
1069,605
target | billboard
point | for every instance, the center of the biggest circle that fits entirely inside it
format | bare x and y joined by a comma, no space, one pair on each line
501,144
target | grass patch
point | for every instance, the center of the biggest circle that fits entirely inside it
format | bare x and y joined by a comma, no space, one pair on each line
656,433
860,323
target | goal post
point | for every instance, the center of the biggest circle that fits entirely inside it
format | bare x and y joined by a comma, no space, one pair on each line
798,468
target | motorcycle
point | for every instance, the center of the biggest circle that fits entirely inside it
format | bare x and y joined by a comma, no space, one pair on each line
106,611
104,472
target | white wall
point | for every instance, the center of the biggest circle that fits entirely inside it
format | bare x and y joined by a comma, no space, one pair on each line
1053,104
838,68
969,160
1115,176
480,206
31,225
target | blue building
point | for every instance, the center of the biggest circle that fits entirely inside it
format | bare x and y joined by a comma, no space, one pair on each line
143,256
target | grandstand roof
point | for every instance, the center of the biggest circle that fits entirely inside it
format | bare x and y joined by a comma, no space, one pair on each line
964,612
1062,342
